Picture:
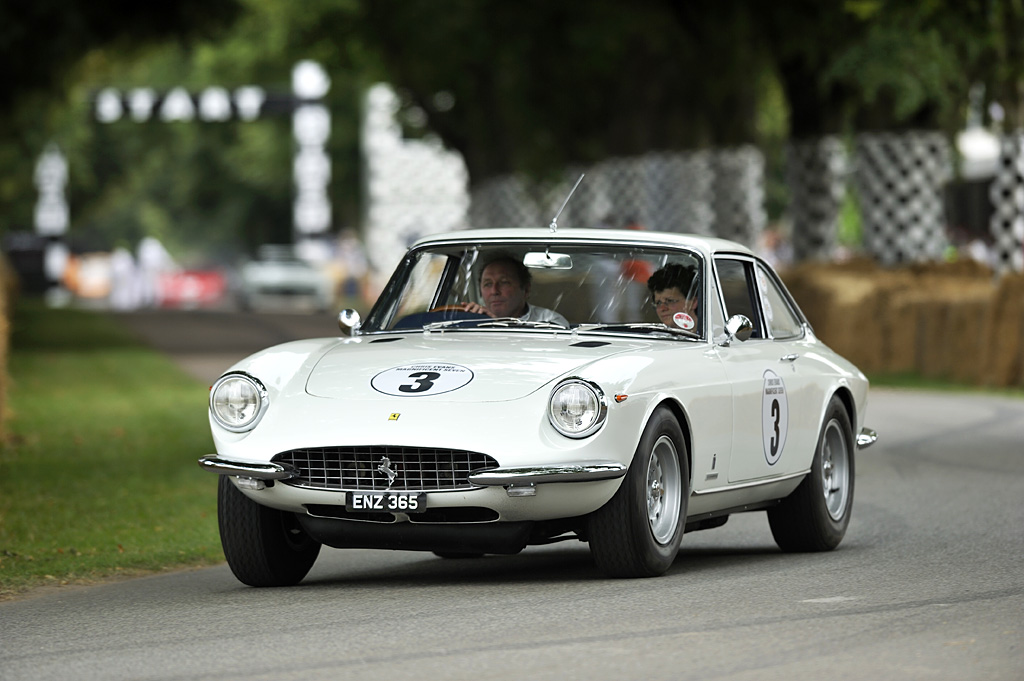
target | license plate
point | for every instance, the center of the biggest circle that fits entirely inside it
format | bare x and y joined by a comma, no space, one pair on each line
386,502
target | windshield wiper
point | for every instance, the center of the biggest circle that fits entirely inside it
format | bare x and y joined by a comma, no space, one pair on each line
505,322
516,321
450,323
641,327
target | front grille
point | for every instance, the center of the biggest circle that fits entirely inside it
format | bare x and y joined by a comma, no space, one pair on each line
359,468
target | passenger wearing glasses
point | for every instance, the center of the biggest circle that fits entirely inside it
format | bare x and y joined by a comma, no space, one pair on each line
674,295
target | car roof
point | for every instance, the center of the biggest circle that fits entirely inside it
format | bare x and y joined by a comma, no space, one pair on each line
703,244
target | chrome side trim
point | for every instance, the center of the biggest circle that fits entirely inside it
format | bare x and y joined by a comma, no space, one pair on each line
259,471
584,471
754,483
866,438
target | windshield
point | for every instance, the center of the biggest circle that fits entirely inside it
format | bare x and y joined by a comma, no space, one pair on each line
600,288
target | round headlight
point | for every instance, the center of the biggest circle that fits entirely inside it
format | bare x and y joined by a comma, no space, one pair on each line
237,401
577,408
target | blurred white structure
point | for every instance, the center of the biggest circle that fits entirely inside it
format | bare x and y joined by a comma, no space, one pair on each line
311,126
411,187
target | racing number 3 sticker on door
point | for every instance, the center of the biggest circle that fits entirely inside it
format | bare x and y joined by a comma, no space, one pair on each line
774,416
420,380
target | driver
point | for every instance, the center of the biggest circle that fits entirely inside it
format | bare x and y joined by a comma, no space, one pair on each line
505,287
674,295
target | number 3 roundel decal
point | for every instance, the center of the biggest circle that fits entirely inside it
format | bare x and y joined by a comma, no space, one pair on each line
420,380
774,416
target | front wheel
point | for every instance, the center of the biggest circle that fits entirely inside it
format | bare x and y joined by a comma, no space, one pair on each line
264,546
637,533
815,516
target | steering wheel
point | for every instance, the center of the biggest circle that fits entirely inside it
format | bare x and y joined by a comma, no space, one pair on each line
448,308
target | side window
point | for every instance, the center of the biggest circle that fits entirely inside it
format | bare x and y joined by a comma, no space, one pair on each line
738,291
778,317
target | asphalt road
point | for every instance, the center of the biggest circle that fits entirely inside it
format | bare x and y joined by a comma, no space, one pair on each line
928,584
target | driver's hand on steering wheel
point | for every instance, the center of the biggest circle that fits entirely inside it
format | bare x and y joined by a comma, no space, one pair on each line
476,308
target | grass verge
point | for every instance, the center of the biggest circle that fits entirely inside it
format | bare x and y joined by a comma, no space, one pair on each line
97,472
911,381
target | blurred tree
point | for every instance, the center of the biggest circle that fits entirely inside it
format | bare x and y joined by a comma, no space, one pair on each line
531,86
537,85
42,42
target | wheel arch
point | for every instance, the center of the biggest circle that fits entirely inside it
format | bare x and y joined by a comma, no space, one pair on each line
846,397
684,423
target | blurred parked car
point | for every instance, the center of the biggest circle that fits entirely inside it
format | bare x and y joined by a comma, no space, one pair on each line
278,279
192,288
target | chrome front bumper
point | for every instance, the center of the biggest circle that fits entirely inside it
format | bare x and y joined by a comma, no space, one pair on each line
866,438
257,471
584,471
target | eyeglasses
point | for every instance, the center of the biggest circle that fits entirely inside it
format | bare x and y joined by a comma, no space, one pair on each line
666,302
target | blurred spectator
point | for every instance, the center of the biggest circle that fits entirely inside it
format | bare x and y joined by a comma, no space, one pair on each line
773,247
124,280
154,260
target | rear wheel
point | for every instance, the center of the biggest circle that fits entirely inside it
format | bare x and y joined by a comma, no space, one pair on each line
637,533
815,516
264,546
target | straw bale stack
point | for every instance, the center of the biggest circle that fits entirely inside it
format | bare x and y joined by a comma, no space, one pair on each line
1004,364
943,320
844,304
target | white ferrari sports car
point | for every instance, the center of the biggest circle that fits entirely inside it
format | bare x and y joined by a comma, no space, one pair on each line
519,387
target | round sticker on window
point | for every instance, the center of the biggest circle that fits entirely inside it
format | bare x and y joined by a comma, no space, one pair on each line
774,416
420,380
683,321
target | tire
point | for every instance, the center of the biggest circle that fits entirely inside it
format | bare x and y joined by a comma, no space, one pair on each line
264,546
815,516
637,533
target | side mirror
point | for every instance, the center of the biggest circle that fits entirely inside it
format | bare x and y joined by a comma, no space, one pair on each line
739,327
349,321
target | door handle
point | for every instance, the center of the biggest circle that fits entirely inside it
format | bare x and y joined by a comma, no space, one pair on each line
789,358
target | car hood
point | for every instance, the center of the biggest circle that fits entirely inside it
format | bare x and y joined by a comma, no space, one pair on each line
467,367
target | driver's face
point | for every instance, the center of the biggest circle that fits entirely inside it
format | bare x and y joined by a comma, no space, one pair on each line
503,295
670,301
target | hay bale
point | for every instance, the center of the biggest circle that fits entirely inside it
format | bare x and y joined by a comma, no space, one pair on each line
1004,334
840,302
935,319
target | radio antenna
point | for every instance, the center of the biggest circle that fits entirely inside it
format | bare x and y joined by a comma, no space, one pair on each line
554,221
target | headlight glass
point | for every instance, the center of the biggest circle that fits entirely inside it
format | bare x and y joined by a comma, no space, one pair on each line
577,408
237,401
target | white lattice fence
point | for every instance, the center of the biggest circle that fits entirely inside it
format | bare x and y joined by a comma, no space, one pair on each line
714,193
899,179
1007,194
816,175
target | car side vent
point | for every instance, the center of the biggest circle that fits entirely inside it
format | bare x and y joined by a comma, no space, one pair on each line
386,340
589,344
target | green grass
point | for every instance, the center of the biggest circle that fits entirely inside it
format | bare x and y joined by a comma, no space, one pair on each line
98,473
913,381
